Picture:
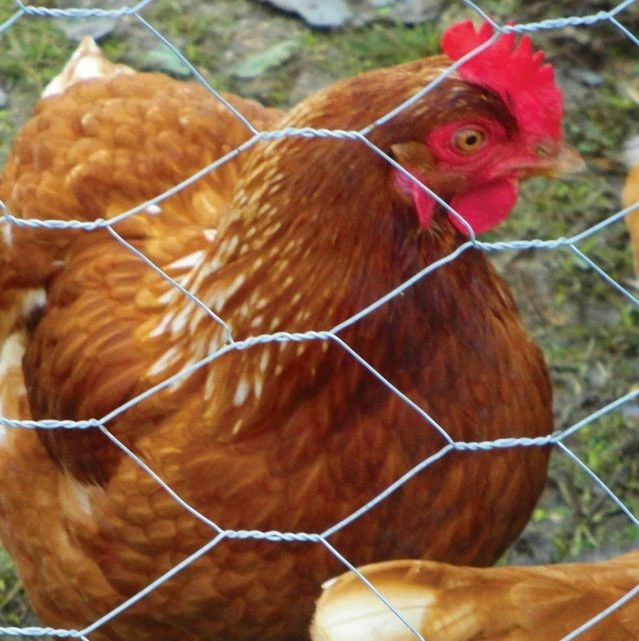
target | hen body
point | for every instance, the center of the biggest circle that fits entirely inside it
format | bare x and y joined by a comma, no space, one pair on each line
292,235
448,603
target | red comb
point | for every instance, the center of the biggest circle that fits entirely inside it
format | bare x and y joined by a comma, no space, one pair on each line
516,72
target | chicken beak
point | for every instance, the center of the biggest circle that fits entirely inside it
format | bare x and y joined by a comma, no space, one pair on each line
568,162
559,162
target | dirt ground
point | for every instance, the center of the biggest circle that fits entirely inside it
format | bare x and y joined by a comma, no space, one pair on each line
588,331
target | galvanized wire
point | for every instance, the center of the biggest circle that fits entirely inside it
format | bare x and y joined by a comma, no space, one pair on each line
218,534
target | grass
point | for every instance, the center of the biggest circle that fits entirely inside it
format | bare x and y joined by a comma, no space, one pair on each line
378,45
589,332
33,51
14,607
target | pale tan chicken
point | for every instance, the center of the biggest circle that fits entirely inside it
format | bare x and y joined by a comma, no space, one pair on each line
450,603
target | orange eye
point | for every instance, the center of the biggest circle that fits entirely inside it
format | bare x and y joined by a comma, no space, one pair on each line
468,141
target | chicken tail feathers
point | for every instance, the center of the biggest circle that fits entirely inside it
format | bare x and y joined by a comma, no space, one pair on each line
87,62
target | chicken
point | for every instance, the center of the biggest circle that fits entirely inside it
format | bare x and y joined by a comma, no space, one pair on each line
292,235
630,196
450,603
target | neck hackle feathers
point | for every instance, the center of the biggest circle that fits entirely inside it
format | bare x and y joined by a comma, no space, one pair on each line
515,72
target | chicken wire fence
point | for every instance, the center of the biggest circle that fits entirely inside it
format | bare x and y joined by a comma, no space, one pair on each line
218,534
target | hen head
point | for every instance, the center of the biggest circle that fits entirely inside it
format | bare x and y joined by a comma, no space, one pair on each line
508,129
495,119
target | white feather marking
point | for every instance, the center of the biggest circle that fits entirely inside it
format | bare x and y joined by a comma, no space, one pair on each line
170,293
85,121
244,311
209,387
154,210
264,361
199,345
189,261
74,496
11,353
183,316
7,234
162,326
195,277
275,187
216,300
211,266
170,357
266,209
216,342
241,393
235,285
34,299
241,198
198,315
329,583
258,386
238,426
210,234
230,245
256,321
175,387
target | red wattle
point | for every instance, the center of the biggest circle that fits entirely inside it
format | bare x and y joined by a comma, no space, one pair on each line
483,207
424,204
486,206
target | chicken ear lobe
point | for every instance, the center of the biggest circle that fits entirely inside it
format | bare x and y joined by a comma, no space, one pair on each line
416,158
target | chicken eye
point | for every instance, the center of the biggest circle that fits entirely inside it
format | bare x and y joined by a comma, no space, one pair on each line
468,141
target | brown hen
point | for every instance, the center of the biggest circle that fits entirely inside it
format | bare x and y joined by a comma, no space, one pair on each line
630,196
293,234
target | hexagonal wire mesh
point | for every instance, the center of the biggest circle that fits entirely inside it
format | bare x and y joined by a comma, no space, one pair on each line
218,533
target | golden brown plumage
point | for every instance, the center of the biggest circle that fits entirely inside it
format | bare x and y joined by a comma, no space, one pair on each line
630,196
292,235
450,603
